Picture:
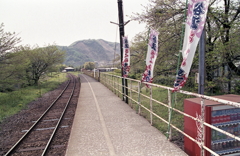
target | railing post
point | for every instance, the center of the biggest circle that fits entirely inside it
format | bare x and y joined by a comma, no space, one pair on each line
139,98
99,76
169,114
124,88
202,126
104,79
112,85
151,117
114,89
108,81
131,93
118,86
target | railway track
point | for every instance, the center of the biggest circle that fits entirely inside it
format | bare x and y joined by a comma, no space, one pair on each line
45,135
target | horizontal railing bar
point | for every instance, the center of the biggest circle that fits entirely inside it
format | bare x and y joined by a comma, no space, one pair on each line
235,104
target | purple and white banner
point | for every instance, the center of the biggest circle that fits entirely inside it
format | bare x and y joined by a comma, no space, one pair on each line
196,17
126,57
151,57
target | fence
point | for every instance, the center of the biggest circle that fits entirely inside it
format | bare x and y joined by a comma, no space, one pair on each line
164,109
93,74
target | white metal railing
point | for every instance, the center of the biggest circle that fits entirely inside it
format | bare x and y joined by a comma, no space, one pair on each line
114,83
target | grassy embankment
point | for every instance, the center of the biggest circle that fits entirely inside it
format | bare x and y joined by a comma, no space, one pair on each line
13,102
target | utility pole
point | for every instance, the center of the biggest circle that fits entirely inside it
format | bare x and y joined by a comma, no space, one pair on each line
121,32
201,68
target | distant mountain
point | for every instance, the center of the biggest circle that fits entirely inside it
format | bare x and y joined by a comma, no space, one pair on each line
91,50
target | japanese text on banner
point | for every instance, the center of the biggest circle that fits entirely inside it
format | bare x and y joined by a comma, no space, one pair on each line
126,57
151,57
197,11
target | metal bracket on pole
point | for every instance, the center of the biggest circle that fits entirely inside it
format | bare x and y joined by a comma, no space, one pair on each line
127,22
114,23
118,24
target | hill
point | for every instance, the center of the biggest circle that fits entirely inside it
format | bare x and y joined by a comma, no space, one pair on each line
91,50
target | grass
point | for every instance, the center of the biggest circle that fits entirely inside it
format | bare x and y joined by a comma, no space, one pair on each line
161,95
12,102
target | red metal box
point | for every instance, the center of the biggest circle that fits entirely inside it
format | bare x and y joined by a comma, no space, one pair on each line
222,116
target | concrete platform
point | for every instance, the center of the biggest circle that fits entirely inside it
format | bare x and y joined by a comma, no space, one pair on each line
106,126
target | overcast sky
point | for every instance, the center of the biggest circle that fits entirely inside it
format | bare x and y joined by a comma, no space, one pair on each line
63,22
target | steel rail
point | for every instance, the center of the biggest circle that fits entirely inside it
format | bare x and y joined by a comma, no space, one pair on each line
31,128
60,119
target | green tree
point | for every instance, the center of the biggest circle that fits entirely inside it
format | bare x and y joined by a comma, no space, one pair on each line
138,55
41,60
8,42
166,17
222,35
12,71
10,61
223,51
89,65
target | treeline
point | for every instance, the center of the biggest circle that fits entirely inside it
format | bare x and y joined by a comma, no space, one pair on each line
222,44
22,65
